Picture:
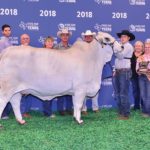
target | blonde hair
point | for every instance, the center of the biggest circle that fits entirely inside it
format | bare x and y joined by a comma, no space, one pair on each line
139,42
49,38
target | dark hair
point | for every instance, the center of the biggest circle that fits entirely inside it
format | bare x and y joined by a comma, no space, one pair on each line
5,26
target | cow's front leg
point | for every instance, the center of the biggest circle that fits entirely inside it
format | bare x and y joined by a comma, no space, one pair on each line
78,100
3,103
15,102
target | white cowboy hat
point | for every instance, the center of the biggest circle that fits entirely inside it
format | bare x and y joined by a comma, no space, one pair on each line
64,31
88,32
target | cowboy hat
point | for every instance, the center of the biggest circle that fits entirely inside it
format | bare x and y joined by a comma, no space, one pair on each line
64,31
126,32
88,32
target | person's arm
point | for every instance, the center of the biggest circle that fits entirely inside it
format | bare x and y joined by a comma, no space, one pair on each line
139,60
126,50
2,44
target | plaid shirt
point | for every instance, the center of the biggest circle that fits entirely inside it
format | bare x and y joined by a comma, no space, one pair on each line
61,46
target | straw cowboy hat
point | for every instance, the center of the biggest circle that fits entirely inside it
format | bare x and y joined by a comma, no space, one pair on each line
126,32
64,31
88,32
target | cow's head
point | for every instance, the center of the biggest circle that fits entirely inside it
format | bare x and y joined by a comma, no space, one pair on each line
105,38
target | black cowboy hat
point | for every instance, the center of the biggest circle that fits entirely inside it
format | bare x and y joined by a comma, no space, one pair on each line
126,32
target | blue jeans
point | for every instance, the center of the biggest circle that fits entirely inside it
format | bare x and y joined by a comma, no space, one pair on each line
144,84
67,99
25,104
136,93
7,110
121,82
47,108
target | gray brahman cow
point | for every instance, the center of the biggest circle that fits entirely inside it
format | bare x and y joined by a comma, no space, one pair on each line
50,73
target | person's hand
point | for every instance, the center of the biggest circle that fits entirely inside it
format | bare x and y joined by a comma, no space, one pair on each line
114,73
140,58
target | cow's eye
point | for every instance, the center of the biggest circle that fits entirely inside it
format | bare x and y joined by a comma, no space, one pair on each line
107,39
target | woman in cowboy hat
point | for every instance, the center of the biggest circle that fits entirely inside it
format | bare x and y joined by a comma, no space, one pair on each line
122,74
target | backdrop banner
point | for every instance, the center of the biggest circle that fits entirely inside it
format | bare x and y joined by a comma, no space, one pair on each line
41,18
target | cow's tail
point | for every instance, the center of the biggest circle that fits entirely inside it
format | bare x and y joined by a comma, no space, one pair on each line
0,56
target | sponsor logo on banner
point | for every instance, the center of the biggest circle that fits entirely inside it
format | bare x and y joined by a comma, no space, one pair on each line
31,0
67,1
137,2
103,27
107,82
42,39
69,26
14,40
32,26
104,2
137,28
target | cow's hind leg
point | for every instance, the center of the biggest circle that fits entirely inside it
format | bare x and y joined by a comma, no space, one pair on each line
78,100
15,102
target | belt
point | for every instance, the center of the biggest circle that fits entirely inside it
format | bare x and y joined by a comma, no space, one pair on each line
123,69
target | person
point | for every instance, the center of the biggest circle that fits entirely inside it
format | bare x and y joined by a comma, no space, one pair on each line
88,37
4,43
64,34
138,51
25,40
47,105
143,69
25,102
122,74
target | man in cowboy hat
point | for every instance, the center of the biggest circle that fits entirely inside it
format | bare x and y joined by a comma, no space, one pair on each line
64,34
122,74
88,37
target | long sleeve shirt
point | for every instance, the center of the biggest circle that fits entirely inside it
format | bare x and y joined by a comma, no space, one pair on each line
60,46
4,43
122,59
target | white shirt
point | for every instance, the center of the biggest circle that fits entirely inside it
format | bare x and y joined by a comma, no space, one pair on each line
4,43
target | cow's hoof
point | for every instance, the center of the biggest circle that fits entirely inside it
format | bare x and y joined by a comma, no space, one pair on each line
80,122
21,122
